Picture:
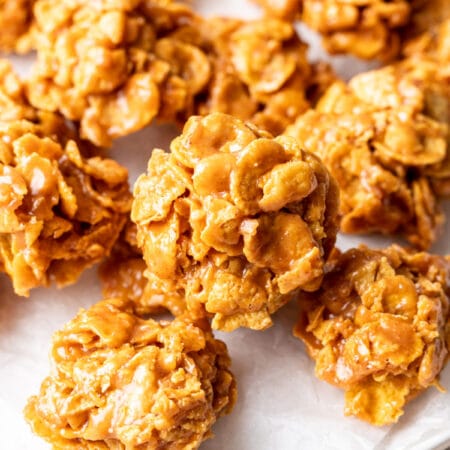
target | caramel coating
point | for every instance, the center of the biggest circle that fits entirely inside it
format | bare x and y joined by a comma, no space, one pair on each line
385,138
16,21
379,328
234,220
61,211
122,382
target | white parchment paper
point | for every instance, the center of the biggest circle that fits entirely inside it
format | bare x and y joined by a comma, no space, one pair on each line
281,404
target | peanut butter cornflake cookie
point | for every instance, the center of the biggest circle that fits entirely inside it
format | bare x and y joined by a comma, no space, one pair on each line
123,382
379,327
103,64
234,221
385,138
365,28
61,211
259,72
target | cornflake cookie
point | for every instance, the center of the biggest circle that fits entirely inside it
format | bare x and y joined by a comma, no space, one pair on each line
108,66
61,211
365,28
385,138
379,328
115,66
16,21
259,72
123,382
234,221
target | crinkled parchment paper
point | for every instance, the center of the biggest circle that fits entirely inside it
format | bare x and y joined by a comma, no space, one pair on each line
281,404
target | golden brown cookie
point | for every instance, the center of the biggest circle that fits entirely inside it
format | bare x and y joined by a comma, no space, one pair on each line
62,211
120,381
365,28
385,139
235,221
379,328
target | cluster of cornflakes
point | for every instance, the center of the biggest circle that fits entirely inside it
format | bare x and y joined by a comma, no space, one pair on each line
275,156
235,221
385,138
379,328
61,211
365,28
260,73
122,381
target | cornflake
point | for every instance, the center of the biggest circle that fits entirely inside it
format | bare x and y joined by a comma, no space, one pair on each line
234,221
385,138
61,210
379,328
123,382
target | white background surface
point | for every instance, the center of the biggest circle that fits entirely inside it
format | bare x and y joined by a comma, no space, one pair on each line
281,404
